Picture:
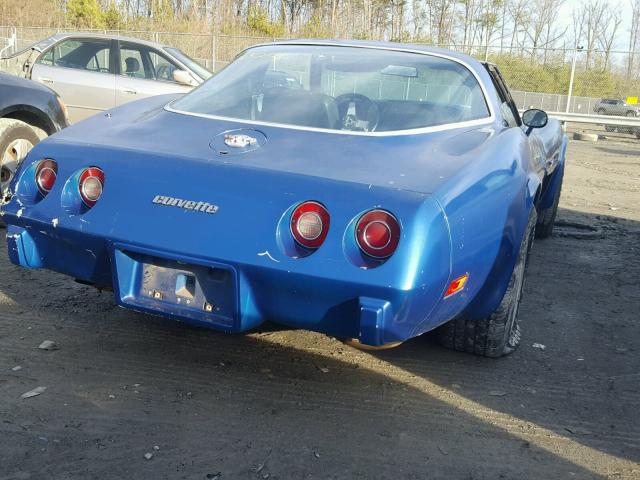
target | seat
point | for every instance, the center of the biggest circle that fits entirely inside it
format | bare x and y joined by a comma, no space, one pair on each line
132,66
299,107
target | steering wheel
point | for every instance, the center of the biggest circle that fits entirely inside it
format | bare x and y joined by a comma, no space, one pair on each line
357,112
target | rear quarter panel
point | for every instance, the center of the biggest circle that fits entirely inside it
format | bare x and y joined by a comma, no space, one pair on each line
487,206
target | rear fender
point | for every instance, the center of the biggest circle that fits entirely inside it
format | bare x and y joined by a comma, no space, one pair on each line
553,183
488,222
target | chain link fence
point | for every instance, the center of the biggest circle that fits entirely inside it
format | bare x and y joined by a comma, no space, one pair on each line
539,78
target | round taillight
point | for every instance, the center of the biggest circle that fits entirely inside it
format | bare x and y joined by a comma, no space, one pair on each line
378,233
90,185
310,224
46,174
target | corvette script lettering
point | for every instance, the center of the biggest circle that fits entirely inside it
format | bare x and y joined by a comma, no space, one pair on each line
203,207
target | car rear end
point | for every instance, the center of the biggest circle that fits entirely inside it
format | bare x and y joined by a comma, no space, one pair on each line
237,246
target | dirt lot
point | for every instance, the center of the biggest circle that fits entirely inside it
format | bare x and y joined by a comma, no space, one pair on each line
284,404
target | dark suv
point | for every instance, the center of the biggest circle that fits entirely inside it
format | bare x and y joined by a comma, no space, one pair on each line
28,112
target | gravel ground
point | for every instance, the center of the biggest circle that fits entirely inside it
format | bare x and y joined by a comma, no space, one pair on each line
284,404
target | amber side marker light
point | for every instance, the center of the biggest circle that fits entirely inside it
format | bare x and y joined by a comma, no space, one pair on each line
457,285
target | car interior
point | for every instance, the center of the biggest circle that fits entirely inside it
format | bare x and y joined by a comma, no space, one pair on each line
297,106
92,56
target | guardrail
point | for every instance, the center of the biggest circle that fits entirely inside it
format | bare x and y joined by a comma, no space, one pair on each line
596,119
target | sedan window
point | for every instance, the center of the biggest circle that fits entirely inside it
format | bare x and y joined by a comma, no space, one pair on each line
139,61
131,63
162,68
91,54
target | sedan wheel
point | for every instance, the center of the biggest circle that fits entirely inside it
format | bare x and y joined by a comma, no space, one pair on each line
11,158
16,139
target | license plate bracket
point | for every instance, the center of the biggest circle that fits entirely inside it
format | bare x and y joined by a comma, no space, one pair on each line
171,287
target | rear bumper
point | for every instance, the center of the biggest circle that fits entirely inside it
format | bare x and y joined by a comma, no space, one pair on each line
247,295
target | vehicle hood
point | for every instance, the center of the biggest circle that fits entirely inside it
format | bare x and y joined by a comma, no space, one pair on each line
13,82
417,162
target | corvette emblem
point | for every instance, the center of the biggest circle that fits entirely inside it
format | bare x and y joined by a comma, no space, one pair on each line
203,207
239,140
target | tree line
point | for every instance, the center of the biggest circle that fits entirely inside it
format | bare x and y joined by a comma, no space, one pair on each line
524,32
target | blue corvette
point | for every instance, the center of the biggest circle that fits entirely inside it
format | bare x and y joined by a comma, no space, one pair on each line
370,191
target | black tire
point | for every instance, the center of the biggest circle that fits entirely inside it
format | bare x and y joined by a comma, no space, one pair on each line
610,128
547,217
499,333
600,111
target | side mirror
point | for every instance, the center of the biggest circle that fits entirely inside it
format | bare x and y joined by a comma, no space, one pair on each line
534,118
183,77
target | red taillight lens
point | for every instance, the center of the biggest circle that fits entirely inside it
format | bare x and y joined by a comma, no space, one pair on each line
310,224
378,233
91,184
46,174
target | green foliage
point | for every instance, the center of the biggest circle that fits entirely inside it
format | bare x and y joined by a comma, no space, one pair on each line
529,75
163,10
258,21
533,75
84,14
361,36
404,37
422,40
112,18
316,28
594,83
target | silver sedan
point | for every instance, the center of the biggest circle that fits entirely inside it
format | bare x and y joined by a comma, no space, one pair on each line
92,73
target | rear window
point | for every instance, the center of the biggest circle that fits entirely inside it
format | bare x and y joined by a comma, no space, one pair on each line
340,88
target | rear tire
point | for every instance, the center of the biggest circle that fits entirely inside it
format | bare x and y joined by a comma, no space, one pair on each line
547,217
499,333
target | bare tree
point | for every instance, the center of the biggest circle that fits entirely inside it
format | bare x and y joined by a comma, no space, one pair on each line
519,14
634,36
587,20
609,24
543,16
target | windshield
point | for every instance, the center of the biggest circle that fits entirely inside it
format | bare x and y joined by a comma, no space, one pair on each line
340,88
194,66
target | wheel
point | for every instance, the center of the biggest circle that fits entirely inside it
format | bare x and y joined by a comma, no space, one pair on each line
16,139
600,111
499,333
610,128
547,217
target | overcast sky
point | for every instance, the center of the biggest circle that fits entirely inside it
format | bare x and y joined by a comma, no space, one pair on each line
622,40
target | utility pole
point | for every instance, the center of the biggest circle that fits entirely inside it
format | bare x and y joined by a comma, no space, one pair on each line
573,73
